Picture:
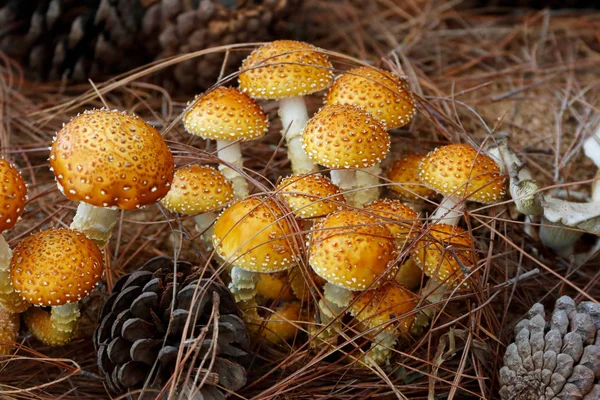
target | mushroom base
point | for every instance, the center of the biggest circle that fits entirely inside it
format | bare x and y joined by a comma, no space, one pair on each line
96,223
243,284
64,318
367,185
293,115
231,153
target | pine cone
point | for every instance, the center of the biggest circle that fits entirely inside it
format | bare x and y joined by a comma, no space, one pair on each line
138,330
556,359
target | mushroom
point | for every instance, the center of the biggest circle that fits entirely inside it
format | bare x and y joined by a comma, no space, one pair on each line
40,324
109,160
281,325
57,268
274,287
9,330
460,173
404,175
286,70
342,136
199,190
384,95
253,236
227,116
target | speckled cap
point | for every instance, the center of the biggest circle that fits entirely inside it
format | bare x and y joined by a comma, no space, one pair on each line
352,249
379,92
13,195
285,68
226,114
197,189
304,194
55,267
459,170
345,136
399,218
111,159
405,173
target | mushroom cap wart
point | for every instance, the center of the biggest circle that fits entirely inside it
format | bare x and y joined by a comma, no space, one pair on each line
197,189
285,68
226,114
379,92
352,249
253,234
345,136
111,159
311,196
399,218
404,175
443,253
13,195
55,267
459,170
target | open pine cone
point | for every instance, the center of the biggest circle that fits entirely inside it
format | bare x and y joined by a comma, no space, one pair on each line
556,359
141,332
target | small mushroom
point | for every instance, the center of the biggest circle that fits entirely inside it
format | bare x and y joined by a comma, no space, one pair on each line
286,70
280,325
9,330
39,322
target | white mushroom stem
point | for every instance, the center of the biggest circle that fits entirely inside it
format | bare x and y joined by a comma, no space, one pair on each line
5,254
381,348
204,225
345,179
449,211
231,153
96,223
558,237
337,295
293,114
367,185
243,284
64,318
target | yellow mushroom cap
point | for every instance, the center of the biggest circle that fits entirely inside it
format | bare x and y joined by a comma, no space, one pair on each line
405,172
111,159
9,330
13,302
281,325
285,68
197,189
459,170
345,136
379,92
311,196
55,267
40,325
352,249
399,218
226,114
274,287
441,252
384,307
13,195
253,234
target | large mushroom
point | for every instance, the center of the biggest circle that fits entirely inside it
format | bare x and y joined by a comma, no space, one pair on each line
286,70
227,116
109,160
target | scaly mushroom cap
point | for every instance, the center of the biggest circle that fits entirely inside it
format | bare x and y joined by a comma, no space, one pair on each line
285,68
379,92
55,267
40,325
345,136
405,172
441,252
352,249
274,287
384,307
304,194
226,114
111,159
399,218
459,170
253,234
13,195
197,189
281,325
9,330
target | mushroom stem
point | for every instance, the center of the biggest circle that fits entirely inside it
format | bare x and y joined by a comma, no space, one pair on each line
337,295
449,211
558,237
433,292
367,185
381,347
231,153
243,284
345,179
409,274
293,114
64,318
204,225
94,222
5,254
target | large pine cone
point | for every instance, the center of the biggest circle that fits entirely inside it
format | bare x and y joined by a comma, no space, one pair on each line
140,333
556,359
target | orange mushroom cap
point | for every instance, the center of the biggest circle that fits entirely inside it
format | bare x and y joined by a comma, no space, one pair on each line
111,159
379,92
285,68
311,196
405,172
345,136
9,330
197,189
13,195
352,249
443,253
39,323
55,267
274,287
226,114
281,325
252,234
399,218
459,170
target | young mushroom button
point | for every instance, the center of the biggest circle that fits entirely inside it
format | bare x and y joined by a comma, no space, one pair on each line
109,160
